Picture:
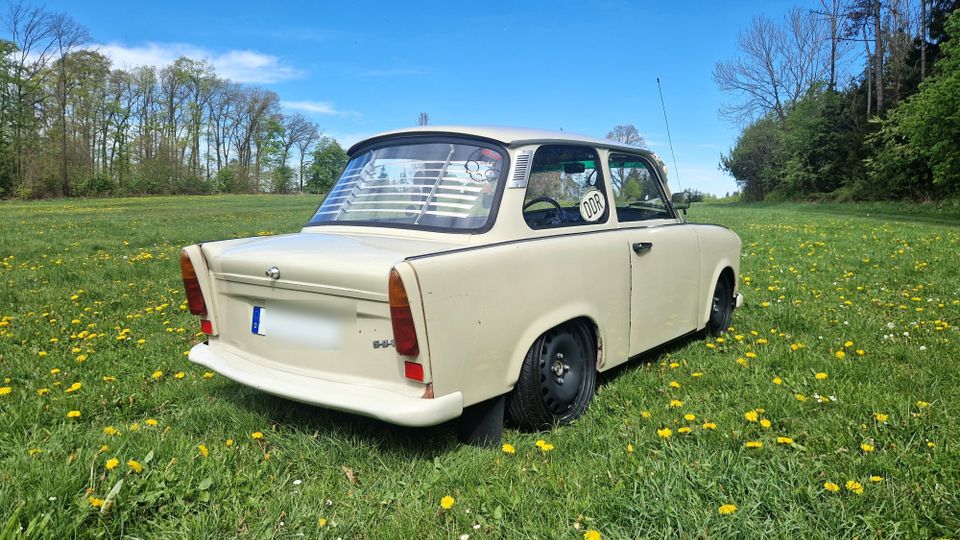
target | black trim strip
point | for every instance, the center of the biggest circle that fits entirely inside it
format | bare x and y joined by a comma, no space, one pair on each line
534,239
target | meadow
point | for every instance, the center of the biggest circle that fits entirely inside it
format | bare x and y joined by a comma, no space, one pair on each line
829,410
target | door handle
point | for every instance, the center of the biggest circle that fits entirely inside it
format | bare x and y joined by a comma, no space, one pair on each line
642,247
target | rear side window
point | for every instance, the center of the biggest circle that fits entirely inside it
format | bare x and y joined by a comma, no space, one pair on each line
565,188
636,190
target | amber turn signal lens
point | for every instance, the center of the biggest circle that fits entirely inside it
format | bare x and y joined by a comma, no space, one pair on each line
192,286
404,332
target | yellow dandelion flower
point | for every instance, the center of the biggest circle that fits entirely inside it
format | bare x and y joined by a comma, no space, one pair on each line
753,444
4,390
508,448
880,417
777,381
720,340
765,423
591,534
156,374
135,466
104,448
43,391
727,509
34,451
208,374
711,346
821,376
800,397
831,487
840,355
73,414
256,435
674,384
876,479
546,447
665,433
447,502
931,444
751,355
111,464
111,431
322,522
684,430
784,440
228,442
95,502
765,304
854,486
848,344
134,426
629,448
41,354
82,358
922,404
742,361
55,371
709,425
689,417
73,388
866,447
697,374
645,414
152,422
676,403
179,375
203,450
751,416
861,352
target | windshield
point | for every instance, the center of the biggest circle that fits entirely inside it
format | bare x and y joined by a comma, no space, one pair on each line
430,185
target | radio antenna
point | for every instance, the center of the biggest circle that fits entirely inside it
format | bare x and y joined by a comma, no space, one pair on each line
669,139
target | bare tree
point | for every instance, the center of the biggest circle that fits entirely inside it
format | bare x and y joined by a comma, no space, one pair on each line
627,134
777,65
309,138
67,35
423,119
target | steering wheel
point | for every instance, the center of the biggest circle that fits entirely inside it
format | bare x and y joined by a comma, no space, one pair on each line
548,200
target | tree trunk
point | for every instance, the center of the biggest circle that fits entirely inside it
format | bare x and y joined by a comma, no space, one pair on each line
923,39
878,51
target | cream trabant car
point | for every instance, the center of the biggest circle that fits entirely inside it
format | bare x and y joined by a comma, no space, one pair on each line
465,272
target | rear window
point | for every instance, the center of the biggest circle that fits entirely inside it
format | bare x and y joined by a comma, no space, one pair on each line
431,185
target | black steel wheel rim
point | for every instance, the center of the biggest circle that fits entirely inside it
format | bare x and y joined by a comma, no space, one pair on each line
722,300
561,372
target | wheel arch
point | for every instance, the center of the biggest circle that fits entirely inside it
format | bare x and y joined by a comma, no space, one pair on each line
724,271
543,325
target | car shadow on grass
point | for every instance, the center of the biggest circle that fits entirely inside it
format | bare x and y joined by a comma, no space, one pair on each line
302,419
649,357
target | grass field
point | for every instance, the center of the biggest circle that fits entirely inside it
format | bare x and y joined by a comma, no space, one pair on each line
831,410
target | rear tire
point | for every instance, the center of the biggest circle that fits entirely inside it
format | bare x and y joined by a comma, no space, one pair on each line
721,308
557,379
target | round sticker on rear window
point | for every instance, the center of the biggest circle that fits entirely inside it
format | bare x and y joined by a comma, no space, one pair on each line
592,205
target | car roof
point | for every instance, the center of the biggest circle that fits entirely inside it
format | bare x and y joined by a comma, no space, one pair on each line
509,136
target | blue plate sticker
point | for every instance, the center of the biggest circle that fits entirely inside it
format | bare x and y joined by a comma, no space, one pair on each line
255,326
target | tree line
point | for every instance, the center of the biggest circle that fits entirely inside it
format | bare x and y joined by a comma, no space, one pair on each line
72,125
856,100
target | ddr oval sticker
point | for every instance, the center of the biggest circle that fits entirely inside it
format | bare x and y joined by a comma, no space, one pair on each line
592,205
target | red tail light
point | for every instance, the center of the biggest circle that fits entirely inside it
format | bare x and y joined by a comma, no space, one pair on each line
206,326
413,370
404,333
192,286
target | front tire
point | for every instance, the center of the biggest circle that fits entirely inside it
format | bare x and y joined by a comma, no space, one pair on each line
557,379
721,308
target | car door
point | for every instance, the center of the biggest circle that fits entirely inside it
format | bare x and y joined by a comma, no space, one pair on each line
664,260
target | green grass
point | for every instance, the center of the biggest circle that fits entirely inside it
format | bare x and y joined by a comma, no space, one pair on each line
817,279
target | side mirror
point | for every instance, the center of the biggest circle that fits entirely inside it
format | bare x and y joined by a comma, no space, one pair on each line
681,201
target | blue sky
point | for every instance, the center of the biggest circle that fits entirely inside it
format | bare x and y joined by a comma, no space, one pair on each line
364,67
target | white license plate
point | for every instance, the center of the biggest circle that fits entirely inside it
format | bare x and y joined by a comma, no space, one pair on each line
297,327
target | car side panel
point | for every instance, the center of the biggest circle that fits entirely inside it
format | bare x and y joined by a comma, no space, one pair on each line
719,249
484,307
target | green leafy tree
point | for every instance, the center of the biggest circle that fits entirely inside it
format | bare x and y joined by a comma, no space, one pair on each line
918,142
753,161
329,159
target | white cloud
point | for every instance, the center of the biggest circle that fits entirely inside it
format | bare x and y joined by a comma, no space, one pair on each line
324,108
243,66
